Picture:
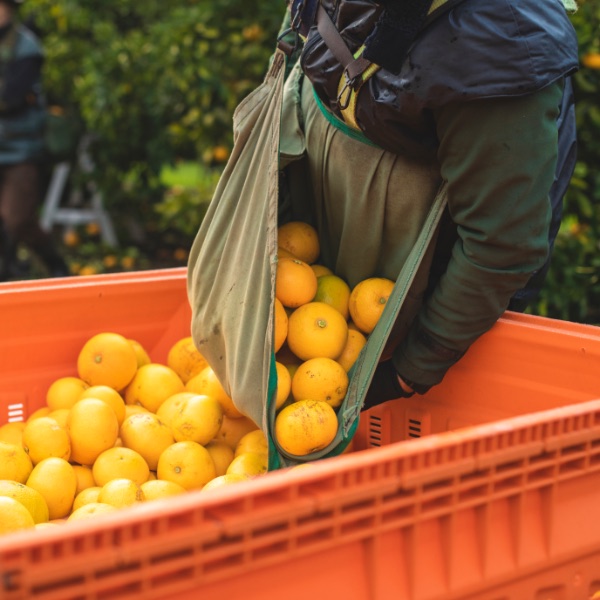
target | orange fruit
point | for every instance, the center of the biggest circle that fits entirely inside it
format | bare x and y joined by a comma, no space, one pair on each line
320,379
284,384
108,395
157,488
40,412
232,430
295,282
141,354
120,463
12,433
254,441
206,383
86,496
151,385
14,516
85,477
354,344
280,325
56,481
283,253
305,426
248,464
222,455
134,409
59,415
301,239
43,438
15,463
185,359
320,270
93,428
147,435
187,463
171,405
198,419
333,290
64,392
31,499
107,359
367,301
317,329
121,493
591,60
224,480
90,511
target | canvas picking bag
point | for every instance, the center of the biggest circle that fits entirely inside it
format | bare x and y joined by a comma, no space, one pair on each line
233,266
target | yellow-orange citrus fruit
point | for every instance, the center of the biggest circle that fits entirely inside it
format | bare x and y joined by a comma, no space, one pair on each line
141,354
121,493
56,481
185,359
187,463
87,496
120,463
108,395
15,463
198,419
591,60
31,499
64,392
147,435
317,329
284,384
14,516
85,477
301,239
12,433
305,426
93,428
333,290
222,455
320,379
171,405
59,415
44,411
91,511
152,385
156,489
367,302
283,253
320,270
354,344
134,409
232,430
107,359
295,282
254,441
207,383
43,438
249,464
224,480
280,325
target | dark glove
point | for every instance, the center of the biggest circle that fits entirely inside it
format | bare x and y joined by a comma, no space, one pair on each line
384,386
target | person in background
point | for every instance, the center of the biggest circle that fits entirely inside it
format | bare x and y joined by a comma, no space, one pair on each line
22,122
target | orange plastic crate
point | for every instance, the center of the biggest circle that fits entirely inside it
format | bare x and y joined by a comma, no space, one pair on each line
488,487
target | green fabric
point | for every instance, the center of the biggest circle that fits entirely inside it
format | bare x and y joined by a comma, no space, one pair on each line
491,151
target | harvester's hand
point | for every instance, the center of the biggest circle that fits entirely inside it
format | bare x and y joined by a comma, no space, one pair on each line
386,385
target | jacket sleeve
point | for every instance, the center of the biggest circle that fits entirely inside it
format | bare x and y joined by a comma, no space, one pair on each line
499,159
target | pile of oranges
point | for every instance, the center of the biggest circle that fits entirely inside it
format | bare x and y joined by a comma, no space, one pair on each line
321,325
124,430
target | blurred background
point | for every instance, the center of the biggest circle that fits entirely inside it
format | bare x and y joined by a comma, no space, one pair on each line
141,96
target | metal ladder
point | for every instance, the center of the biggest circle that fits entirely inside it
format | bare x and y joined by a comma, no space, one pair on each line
53,214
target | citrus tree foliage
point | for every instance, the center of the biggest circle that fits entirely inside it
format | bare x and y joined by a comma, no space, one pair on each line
572,291
154,81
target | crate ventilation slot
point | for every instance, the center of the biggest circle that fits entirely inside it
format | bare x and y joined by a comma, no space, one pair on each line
16,412
375,427
414,428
